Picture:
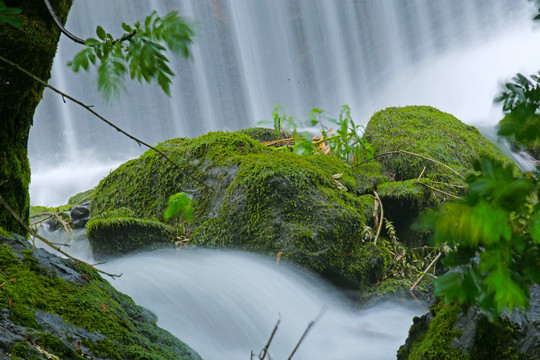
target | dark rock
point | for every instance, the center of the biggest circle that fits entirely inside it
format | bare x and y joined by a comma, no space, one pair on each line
69,311
80,216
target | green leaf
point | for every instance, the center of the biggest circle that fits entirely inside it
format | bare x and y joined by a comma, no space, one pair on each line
101,34
179,204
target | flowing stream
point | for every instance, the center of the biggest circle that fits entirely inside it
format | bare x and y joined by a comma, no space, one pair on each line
225,304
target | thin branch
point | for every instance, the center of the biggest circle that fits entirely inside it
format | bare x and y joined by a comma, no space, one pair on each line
442,192
412,154
425,271
60,26
89,108
33,233
308,329
382,217
265,349
453,185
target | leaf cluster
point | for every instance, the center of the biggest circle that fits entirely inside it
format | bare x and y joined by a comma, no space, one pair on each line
348,144
520,99
180,204
495,236
9,16
140,52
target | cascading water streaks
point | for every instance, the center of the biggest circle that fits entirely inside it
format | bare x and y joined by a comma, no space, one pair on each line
225,304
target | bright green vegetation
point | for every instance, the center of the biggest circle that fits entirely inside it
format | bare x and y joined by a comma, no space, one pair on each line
431,133
115,328
139,52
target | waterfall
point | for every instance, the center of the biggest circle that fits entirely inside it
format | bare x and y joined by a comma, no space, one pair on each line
250,55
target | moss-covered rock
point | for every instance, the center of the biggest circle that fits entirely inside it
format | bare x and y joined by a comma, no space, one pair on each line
113,236
67,310
258,199
426,131
452,331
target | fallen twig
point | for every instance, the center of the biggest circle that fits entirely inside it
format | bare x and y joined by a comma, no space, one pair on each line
308,329
382,217
264,351
33,233
442,192
425,271
413,154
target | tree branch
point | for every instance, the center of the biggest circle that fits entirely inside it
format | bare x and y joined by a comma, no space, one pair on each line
89,108
60,26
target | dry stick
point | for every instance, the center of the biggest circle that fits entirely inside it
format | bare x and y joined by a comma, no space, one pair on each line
413,154
425,272
310,325
422,173
33,233
453,185
265,349
382,217
89,108
442,192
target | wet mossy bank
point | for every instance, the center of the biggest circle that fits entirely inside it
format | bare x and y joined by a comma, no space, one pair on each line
277,203
52,308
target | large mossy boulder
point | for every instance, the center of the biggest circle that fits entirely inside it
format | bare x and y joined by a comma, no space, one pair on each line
419,148
255,198
54,308
431,133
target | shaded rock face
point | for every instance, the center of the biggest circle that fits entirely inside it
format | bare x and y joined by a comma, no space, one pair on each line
450,331
70,312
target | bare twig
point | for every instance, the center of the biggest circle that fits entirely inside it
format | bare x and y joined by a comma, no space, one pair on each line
33,233
413,154
381,218
425,271
60,26
89,108
422,173
308,329
453,185
265,349
442,192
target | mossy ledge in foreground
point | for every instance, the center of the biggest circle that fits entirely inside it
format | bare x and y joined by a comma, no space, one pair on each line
69,311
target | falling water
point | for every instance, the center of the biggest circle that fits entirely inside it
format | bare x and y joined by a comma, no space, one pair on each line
225,304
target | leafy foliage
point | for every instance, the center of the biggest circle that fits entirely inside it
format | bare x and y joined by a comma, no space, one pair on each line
179,204
348,144
8,15
521,100
495,239
140,52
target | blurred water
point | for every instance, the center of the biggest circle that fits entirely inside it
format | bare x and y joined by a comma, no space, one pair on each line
225,304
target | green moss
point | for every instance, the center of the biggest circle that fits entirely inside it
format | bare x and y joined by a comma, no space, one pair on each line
496,341
431,133
32,46
261,134
114,236
4,233
368,176
80,197
436,342
94,306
